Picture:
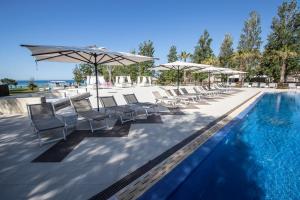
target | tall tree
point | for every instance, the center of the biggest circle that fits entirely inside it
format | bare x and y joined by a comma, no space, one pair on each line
203,49
282,49
226,51
248,55
184,56
146,49
169,76
172,56
250,38
77,75
133,69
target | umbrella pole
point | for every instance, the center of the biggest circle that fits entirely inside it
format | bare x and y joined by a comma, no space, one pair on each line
96,73
209,80
178,78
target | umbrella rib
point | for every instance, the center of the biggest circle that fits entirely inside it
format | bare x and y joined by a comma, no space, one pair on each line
101,58
123,58
168,67
77,53
115,59
91,55
135,62
111,59
60,54
45,53
77,59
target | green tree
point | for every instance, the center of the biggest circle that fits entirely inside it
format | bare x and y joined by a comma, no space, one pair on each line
281,54
146,49
184,56
212,60
77,75
250,38
203,49
248,55
87,70
172,56
9,81
133,69
169,76
226,51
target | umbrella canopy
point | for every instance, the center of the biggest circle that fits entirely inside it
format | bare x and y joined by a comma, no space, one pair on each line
210,69
179,65
90,55
183,65
229,71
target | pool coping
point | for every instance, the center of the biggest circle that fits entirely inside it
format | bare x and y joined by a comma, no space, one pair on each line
162,189
135,184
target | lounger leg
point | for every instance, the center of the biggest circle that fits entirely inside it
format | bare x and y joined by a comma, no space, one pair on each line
91,126
106,123
121,119
133,114
40,139
64,132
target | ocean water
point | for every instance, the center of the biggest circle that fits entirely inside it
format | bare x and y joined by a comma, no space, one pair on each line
259,158
40,83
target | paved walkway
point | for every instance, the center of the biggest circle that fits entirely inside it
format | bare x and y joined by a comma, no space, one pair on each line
96,162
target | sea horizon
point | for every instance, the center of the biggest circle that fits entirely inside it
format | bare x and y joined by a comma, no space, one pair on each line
42,83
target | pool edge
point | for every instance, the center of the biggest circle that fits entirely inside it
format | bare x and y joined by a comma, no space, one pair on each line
142,184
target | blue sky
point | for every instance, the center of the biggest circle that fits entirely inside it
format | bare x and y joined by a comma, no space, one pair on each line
117,25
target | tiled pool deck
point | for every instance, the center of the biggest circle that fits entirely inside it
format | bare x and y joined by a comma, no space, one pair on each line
96,163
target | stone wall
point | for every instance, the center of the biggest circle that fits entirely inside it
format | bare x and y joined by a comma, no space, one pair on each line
17,105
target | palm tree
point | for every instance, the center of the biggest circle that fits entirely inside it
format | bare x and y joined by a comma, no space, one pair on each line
184,56
284,54
244,58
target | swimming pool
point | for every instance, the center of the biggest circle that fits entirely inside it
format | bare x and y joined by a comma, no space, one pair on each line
254,157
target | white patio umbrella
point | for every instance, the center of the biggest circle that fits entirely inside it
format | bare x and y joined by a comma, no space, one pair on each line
228,72
90,55
210,69
179,65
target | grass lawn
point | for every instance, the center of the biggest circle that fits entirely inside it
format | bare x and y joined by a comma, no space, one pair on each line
22,91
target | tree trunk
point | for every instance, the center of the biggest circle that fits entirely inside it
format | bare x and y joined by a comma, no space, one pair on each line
109,75
109,70
283,72
184,76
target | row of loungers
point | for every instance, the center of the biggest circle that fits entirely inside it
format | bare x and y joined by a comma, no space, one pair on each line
44,118
175,97
268,85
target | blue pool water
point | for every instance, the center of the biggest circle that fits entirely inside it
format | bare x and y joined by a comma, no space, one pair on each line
256,157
